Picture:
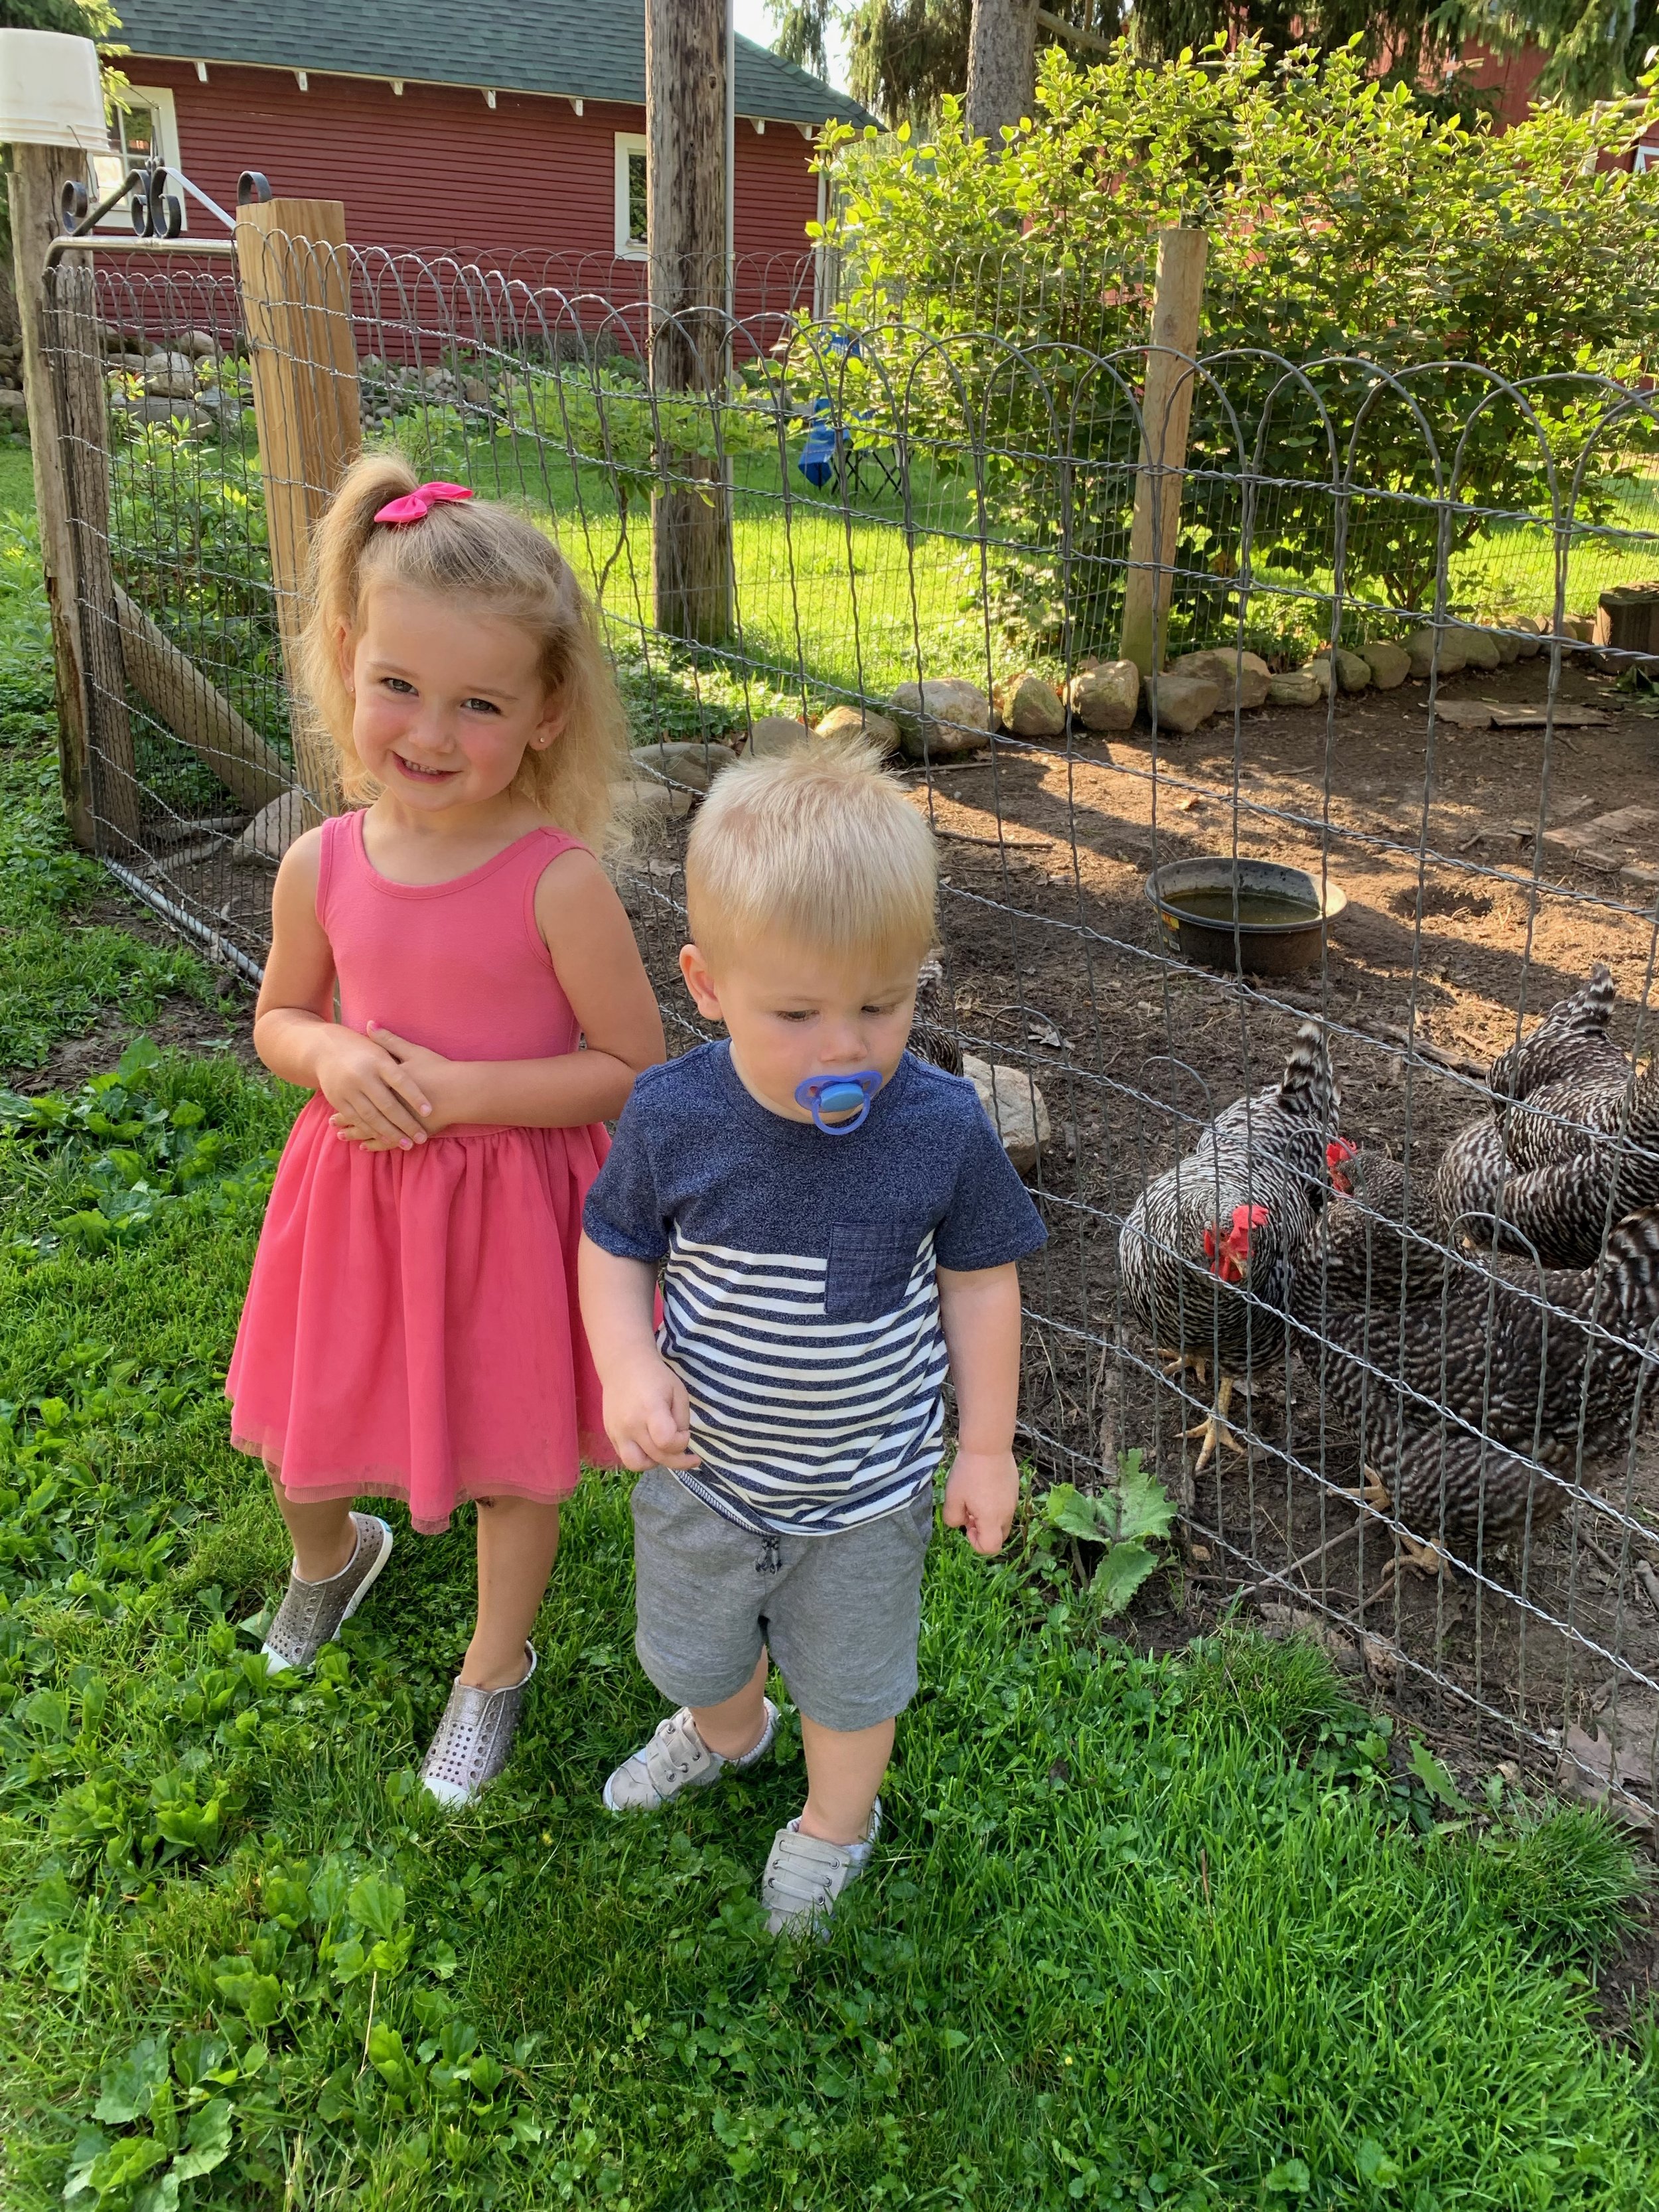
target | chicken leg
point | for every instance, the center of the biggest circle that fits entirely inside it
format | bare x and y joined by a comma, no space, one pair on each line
1217,1436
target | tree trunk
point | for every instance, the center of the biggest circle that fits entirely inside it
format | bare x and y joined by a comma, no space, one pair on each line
685,187
1001,67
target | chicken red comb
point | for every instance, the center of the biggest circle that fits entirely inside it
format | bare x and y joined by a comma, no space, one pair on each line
1247,1217
1338,1150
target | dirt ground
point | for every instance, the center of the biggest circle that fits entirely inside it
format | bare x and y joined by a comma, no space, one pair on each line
1054,966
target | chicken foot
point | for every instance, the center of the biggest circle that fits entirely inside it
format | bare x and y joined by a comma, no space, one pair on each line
1373,1492
1213,1428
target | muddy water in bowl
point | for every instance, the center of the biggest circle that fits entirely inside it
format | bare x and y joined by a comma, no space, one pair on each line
1250,914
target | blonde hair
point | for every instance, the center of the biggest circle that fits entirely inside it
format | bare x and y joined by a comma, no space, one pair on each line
816,845
477,550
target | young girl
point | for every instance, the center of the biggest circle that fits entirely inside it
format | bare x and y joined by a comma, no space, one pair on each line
411,1326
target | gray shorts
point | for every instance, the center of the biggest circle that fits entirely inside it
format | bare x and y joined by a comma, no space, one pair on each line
841,1615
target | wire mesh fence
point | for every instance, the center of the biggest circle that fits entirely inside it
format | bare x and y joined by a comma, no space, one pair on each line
1408,1299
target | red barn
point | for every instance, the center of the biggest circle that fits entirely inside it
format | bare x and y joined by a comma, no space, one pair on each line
514,129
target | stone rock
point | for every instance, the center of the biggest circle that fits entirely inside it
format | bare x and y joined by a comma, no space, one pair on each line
1105,696
1390,664
1016,1107
1296,687
156,408
474,392
13,402
941,717
1508,647
687,761
1182,702
1452,650
1480,650
200,345
774,734
1353,672
170,375
275,828
1241,679
845,723
1529,633
1464,713
1581,629
1320,669
1029,706
118,341
648,802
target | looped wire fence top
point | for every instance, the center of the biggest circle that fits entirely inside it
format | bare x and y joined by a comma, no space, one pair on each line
972,519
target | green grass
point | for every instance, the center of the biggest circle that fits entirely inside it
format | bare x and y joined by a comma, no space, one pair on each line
1186,1931
16,480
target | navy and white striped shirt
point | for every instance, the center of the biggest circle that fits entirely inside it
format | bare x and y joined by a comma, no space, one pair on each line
800,1306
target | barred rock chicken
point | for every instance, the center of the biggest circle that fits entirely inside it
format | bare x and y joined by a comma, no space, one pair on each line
1453,1370
1571,1143
1205,1251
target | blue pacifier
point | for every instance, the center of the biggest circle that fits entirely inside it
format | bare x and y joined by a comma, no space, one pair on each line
839,1094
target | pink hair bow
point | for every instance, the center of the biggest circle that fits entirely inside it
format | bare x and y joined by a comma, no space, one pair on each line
414,506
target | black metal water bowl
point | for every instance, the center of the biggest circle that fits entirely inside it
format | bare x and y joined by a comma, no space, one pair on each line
1249,916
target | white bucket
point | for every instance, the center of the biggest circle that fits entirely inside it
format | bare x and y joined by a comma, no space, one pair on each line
52,92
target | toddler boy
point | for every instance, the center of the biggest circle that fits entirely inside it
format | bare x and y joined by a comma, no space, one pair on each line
826,1255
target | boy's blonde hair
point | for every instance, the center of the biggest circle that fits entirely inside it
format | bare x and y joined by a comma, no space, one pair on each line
477,550
817,846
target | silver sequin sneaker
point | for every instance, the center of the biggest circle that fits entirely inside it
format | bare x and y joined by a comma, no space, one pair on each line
312,1614
474,1737
676,1757
804,1876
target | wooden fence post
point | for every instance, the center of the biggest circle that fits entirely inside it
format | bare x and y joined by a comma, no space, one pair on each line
296,300
685,187
37,172
1166,412
82,425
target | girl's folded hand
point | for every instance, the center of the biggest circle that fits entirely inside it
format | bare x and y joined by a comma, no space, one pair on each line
377,1101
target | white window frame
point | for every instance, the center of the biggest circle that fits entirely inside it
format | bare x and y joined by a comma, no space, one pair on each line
107,169
628,248
1647,157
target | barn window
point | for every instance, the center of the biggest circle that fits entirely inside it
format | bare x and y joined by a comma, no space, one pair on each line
146,130
630,195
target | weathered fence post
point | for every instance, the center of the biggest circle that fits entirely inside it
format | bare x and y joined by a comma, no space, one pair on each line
1166,410
296,300
37,174
685,185
81,422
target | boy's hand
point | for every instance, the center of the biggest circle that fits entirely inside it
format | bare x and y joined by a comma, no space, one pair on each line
981,1495
648,1417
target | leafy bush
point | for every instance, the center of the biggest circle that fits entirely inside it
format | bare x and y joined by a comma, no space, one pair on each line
108,1161
1347,226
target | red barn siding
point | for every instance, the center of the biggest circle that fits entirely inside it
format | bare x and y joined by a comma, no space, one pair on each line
436,169
1511,77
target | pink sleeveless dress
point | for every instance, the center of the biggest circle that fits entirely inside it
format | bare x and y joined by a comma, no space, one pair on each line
411,1326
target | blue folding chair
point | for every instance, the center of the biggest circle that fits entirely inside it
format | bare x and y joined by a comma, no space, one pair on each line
831,453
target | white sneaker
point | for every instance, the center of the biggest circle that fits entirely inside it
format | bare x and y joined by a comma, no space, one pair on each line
676,1757
804,1876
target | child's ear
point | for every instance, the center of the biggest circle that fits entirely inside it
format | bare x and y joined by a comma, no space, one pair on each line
699,983
555,714
345,652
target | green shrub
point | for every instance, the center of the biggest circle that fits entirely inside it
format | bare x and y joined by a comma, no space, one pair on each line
1345,227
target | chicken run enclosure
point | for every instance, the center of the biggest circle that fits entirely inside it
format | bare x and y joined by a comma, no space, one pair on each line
1418,1289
